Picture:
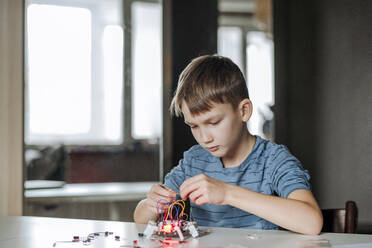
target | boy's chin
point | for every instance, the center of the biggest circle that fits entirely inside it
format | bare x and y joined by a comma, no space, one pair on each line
217,154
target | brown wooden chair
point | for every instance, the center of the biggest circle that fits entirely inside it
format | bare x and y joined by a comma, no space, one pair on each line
341,220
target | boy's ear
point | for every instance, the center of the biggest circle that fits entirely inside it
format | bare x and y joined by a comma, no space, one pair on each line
245,109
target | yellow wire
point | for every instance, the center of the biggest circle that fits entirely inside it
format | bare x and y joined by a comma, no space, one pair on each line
181,203
182,206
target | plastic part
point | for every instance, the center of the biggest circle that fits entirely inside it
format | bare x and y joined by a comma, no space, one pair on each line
193,229
151,228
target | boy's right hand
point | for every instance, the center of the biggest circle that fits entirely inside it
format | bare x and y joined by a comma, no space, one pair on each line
158,198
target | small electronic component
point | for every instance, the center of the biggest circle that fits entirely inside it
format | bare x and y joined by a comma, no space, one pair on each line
88,239
172,223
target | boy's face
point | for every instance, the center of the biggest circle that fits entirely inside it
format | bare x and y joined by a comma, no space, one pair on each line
218,130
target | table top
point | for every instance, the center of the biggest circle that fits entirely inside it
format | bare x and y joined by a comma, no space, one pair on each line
32,232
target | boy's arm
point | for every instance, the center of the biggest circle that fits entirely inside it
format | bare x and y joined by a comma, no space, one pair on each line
142,213
299,212
160,195
155,203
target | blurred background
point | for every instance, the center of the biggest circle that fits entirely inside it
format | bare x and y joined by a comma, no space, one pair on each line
95,80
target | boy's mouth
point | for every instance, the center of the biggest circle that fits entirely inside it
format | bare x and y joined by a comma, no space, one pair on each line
213,148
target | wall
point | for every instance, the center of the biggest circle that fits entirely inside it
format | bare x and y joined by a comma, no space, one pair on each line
11,107
323,75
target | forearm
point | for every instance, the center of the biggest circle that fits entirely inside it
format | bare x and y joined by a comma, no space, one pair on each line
295,215
142,214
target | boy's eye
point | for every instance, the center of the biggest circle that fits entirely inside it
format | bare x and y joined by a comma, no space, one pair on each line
214,123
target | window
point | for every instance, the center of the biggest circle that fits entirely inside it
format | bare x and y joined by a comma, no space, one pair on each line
245,36
59,73
87,77
260,80
258,69
147,67
113,81
228,38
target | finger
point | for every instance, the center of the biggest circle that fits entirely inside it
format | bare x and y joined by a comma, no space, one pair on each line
195,195
151,203
164,191
157,207
192,184
201,200
188,189
158,193
162,208
156,199
192,180
151,206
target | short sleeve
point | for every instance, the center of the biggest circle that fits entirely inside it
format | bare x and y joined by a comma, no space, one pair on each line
176,177
288,174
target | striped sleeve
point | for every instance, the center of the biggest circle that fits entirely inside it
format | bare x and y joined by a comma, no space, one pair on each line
288,174
177,175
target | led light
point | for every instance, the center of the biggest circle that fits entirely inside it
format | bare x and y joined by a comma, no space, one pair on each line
167,228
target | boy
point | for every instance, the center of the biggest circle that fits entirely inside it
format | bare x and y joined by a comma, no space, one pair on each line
232,178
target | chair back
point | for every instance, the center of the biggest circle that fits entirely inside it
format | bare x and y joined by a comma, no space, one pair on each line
340,220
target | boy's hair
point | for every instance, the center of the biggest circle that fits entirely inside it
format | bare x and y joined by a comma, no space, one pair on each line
206,80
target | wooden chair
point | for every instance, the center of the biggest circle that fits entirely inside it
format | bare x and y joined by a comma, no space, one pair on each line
342,220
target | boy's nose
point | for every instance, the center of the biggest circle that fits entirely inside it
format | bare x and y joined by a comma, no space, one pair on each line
206,137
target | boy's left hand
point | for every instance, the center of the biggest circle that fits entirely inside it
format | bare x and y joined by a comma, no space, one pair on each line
202,189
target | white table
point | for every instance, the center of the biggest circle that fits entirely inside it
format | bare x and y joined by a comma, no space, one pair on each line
38,232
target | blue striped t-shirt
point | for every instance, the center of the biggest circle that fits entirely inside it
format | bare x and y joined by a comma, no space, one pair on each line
269,169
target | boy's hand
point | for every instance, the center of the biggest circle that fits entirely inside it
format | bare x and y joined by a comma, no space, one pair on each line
158,197
202,189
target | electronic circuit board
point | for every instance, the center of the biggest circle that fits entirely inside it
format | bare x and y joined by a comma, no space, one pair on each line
172,223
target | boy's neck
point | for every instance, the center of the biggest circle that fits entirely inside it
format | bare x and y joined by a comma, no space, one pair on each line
241,152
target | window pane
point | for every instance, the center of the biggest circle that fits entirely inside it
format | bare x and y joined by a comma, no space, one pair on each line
146,23
74,73
230,44
113,82
260,79
259,61
59,72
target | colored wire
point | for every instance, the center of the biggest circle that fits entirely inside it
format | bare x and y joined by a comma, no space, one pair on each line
180,203
157,206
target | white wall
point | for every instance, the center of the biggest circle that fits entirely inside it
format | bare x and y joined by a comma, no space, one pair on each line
11,106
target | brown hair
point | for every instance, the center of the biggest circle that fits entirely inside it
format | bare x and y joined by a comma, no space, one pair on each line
206,80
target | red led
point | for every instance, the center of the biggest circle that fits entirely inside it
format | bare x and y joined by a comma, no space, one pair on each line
170,241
